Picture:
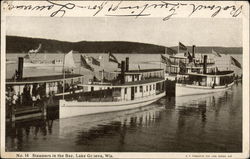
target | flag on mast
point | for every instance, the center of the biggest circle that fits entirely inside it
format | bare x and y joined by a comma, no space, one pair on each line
182,47
85,64
92,60
112,58
215,53
165,60
169,51
235,62
95,61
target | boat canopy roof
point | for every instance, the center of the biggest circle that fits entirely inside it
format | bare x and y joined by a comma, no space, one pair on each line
217,74
200,66
42,79
127,84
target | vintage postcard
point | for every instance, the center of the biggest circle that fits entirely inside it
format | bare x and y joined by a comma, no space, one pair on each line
124,79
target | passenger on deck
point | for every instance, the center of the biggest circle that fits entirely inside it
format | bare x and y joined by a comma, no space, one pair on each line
71,89
34,90
60,87
8,97
26,95
14,100
66,89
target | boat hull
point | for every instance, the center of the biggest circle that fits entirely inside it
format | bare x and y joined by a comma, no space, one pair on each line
74,108
183,90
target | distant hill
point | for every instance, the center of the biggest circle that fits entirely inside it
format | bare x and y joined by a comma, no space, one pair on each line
15,44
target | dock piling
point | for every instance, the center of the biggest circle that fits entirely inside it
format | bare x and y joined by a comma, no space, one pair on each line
44,110
13,113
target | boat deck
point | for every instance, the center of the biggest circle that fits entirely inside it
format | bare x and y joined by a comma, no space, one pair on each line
145,81
140,71
219,73
118,84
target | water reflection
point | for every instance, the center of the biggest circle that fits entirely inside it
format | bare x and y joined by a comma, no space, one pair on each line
210,122
24,132
96,126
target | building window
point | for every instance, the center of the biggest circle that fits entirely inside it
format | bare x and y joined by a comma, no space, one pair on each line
150,87
146,88
125,90
140,88
153,87
135,89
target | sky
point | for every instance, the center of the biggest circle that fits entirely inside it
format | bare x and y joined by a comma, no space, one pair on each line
225,32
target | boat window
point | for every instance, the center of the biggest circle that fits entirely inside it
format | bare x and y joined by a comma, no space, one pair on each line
140,88
116,92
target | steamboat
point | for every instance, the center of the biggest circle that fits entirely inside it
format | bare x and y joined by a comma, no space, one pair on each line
131,89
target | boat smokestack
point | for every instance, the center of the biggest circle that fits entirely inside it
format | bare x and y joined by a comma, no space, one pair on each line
205,64
122,76
20,68
193,51
127,64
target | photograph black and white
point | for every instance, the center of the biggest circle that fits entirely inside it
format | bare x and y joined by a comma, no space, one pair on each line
130,84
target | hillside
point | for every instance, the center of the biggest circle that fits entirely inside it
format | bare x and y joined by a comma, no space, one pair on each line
15,44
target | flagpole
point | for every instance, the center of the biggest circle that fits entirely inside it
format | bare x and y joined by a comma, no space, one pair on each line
102,75
230,61
80,66
63,73
179,47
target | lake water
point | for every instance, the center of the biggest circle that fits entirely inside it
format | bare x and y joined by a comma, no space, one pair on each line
205,123
202,123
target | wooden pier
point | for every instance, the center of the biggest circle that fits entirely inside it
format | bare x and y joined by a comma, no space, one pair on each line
26,112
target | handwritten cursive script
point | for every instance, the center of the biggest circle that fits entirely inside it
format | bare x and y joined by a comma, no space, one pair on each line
112,8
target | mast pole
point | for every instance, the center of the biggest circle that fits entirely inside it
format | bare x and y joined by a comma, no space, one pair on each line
79,69
229,64
102,75
63,73
178,48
